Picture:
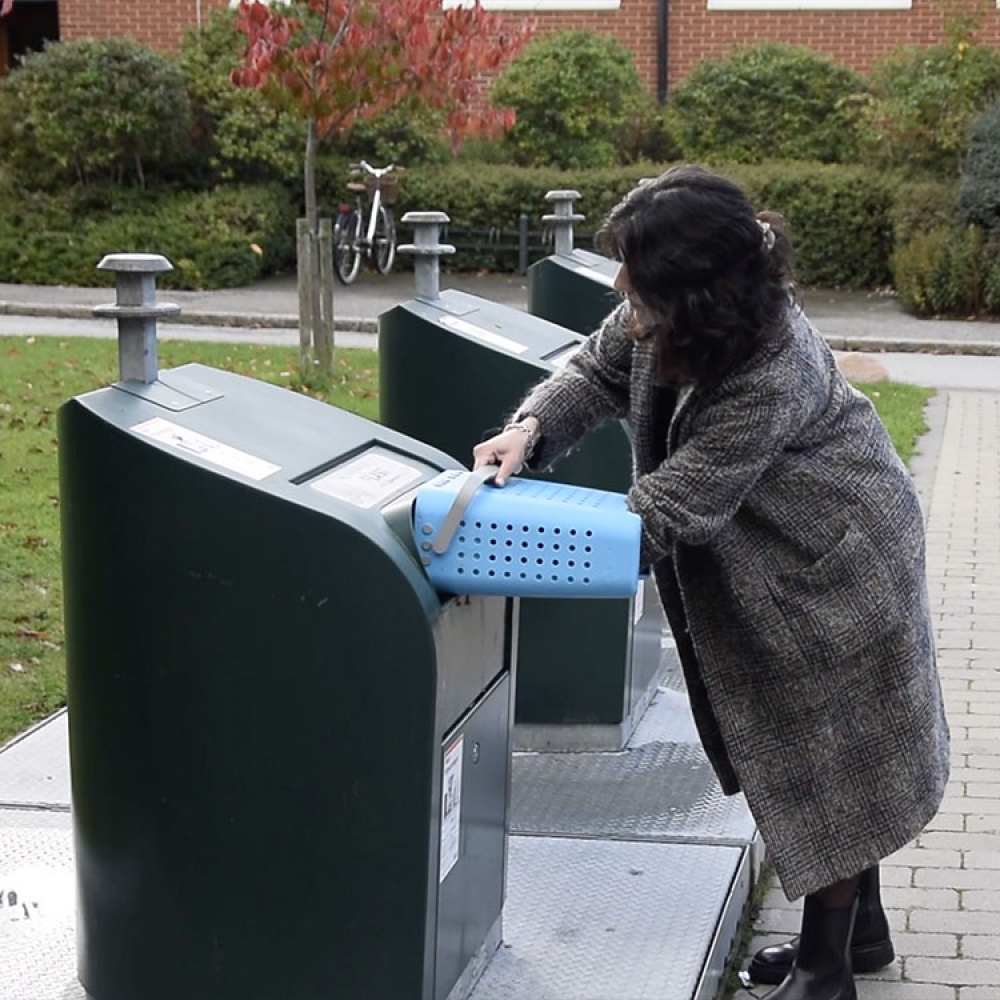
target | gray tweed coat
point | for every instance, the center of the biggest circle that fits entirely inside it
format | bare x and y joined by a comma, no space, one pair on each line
787,545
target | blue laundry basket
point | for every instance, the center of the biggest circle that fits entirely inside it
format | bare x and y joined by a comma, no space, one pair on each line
526,539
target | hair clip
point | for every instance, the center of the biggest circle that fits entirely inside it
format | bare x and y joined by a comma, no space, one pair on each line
769,237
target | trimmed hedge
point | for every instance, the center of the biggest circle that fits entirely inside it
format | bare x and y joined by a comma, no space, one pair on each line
215,239
839,217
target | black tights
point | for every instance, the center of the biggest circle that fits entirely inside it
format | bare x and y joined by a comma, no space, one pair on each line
840,895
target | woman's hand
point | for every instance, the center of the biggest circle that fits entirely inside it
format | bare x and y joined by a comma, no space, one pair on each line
507,449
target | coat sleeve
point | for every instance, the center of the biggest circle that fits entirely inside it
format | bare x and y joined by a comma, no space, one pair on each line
593,387
735,435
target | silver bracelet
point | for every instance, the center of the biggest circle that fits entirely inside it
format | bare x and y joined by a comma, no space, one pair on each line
520,425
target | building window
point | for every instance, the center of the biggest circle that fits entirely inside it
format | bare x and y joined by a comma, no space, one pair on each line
541,6
811,4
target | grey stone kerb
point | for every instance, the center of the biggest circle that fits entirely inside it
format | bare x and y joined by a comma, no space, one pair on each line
136,311
428,249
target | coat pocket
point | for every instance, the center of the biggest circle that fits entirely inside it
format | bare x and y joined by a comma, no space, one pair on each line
843,602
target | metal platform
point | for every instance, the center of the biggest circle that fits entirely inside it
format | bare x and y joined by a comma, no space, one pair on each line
628,878
599,920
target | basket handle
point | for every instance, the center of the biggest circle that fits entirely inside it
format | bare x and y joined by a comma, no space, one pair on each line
457,510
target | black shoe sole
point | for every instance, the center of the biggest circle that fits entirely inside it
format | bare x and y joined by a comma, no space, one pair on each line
864,958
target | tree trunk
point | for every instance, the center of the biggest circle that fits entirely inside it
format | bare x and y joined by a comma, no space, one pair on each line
315,281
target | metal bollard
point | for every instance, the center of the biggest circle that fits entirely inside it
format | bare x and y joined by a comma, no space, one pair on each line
563,219
136,311
427,248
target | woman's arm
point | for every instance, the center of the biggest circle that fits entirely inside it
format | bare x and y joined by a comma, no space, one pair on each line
593,387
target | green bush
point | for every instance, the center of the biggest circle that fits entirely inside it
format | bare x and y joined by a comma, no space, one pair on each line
215,239
979,189
409,134
768,102
107,110
240,134
839,217
925,100
920,206
941,272
575,93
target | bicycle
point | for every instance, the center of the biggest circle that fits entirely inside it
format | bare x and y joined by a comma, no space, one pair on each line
353,238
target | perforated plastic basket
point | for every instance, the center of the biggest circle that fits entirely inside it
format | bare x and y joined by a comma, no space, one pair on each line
525,539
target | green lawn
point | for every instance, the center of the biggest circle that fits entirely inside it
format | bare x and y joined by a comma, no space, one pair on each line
38,374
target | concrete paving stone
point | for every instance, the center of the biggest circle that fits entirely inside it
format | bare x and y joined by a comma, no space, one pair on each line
922,898
979,760
872,990
925,857
909,944
954,971
982,824
945,822
978,992
978,860
972,746
961,803
895,876
948,922
985,684
985,640
982,899
977,790
778,921
981,946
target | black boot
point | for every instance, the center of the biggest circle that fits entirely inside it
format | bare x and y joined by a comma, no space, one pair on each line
871,946
822,968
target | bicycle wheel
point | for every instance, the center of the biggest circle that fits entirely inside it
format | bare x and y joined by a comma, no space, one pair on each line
385,240
347,245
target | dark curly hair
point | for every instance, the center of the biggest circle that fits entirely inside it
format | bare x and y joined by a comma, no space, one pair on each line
714,284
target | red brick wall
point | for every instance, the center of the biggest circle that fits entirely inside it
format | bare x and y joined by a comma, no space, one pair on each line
854,38
159,23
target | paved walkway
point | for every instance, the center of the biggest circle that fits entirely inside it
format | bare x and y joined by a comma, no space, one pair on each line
849,320
943,891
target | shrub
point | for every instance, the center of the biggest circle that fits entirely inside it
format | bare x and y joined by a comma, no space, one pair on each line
979,190
839,217
240,134
575,93
925,100
409,134
214,239
920,206
92,110
941,271
768,102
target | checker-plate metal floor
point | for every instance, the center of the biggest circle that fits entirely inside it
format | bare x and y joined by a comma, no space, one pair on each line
37,906
661,787
34,769
599,920
608,900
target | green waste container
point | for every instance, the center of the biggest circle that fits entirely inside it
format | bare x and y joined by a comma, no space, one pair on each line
290,756
574,289
452,365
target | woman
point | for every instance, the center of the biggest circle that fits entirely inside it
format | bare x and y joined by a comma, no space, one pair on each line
787,545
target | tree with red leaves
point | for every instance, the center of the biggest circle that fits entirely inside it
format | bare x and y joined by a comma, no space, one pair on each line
335,62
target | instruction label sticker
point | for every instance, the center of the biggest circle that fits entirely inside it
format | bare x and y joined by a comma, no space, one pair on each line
451,807
598,276
367,480
192,443
486,336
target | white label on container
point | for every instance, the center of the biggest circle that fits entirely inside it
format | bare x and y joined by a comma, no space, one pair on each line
599,276
486,336
367,480
451,807
193,443
559,360
640,602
